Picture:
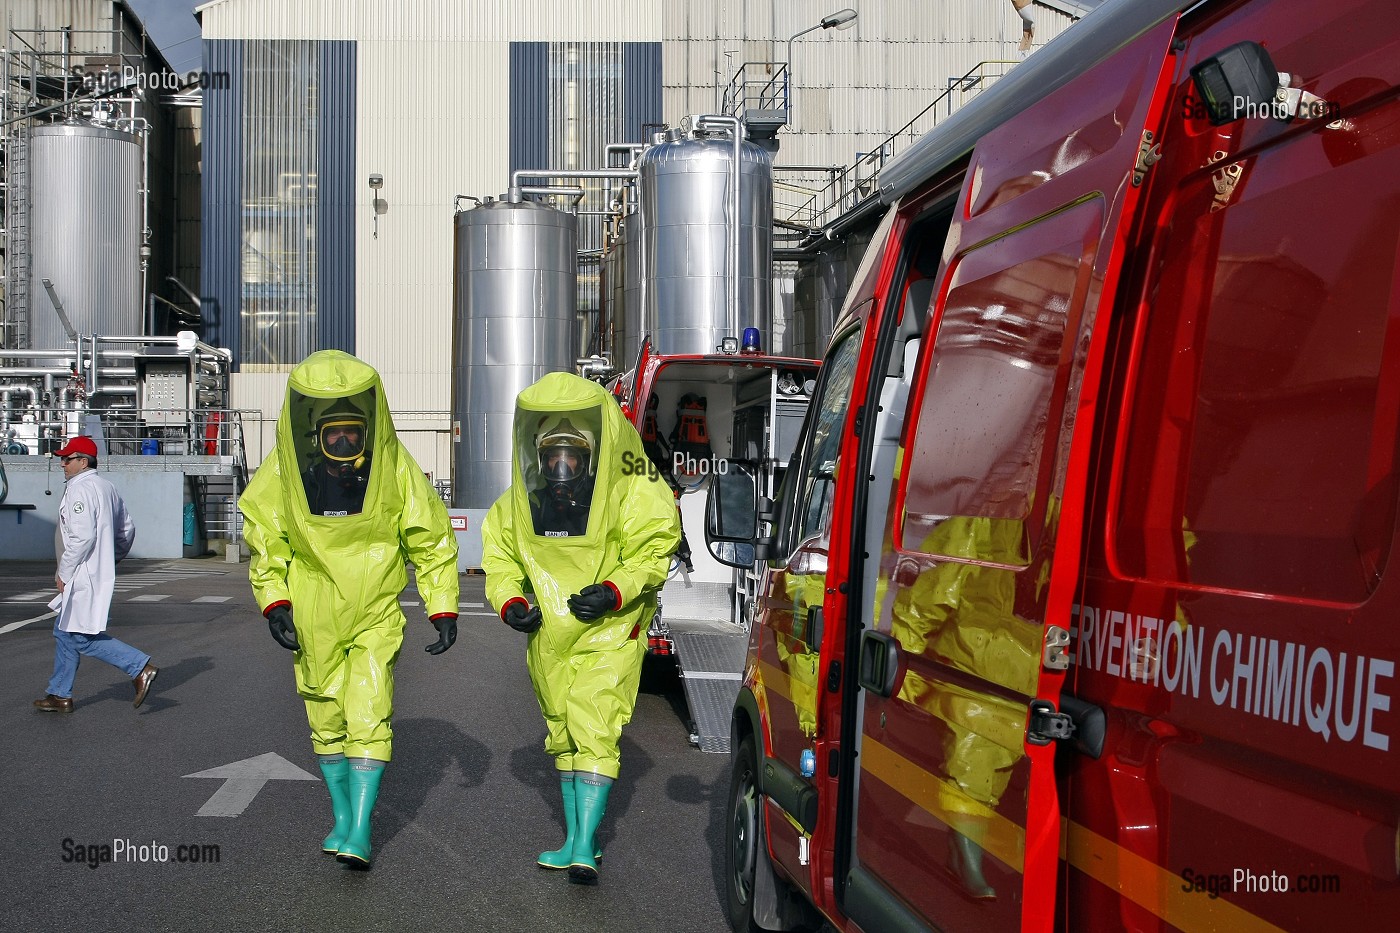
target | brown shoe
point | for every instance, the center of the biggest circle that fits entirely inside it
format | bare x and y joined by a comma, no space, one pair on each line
53,704
142,683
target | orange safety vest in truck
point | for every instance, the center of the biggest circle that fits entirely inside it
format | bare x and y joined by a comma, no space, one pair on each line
1077,610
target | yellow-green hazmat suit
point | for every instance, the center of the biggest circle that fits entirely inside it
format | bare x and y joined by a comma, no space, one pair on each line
585,674
343,573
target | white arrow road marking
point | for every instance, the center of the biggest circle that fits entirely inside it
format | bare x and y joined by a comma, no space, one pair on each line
243,779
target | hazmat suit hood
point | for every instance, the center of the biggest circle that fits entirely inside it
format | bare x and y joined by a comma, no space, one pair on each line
569,441
322,388
620,525
335,427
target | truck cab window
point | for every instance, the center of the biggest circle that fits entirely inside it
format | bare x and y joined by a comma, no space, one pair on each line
814,482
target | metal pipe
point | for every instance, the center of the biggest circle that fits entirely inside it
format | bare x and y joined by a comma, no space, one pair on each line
32,372
37,354
736,127
67,70
630,148
5,393
515,176
570,191
189,293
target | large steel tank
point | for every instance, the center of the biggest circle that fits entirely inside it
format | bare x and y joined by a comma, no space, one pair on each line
515,289
85,230
687,206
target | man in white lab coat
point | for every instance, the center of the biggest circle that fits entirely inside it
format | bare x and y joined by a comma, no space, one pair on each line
97,532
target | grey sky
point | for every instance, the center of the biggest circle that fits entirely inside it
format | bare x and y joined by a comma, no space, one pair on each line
172,25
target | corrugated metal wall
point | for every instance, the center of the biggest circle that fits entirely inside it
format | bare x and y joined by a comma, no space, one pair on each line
851,87
436,21
335,197
584,96
529,93
432,84
643,78
221,199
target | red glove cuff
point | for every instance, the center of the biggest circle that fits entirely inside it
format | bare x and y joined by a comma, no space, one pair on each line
442,615
281,602
617,594
512,602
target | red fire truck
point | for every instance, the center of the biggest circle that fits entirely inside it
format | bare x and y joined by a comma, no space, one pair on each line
697,414
1074,610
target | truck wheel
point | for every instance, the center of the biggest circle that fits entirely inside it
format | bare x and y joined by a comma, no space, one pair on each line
747,870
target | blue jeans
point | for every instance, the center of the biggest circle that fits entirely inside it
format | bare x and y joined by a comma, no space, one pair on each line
69,645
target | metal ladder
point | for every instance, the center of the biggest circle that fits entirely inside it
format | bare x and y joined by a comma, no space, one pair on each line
17,246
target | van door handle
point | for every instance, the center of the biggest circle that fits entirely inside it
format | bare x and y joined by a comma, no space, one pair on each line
879,662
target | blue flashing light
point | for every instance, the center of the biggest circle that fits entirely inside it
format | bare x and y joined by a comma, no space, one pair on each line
752,343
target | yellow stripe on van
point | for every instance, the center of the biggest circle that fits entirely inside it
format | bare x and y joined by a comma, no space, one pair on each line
1138,879
1004,839
775,680
1151,886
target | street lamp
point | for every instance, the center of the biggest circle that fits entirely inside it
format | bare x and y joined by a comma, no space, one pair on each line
841,19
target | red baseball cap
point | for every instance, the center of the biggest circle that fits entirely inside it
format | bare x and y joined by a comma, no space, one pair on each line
82,444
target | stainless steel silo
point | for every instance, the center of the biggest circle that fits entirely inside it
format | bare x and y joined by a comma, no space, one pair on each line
85,232
687,207
515,288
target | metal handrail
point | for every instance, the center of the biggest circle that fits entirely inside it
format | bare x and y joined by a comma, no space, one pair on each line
860,180
772,92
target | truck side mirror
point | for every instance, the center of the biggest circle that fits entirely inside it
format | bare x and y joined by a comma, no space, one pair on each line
731,514
1236,81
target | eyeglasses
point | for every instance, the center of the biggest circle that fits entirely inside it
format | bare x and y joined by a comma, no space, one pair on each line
71,457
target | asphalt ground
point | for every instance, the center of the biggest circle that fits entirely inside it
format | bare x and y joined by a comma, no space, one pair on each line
468,801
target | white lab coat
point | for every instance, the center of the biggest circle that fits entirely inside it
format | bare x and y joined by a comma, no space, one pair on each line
97,532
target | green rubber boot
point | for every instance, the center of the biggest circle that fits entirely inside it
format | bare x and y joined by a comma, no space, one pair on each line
364,790
336,771
561,857
590,801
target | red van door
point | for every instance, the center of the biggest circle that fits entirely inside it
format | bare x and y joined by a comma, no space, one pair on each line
956,820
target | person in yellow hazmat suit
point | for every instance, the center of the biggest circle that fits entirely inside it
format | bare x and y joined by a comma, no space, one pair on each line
591,535
330,517
963,615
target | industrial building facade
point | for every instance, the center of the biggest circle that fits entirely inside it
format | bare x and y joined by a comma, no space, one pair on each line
332,158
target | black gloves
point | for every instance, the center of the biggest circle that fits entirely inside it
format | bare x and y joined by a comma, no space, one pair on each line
446,624
521,617
279,623
596,601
